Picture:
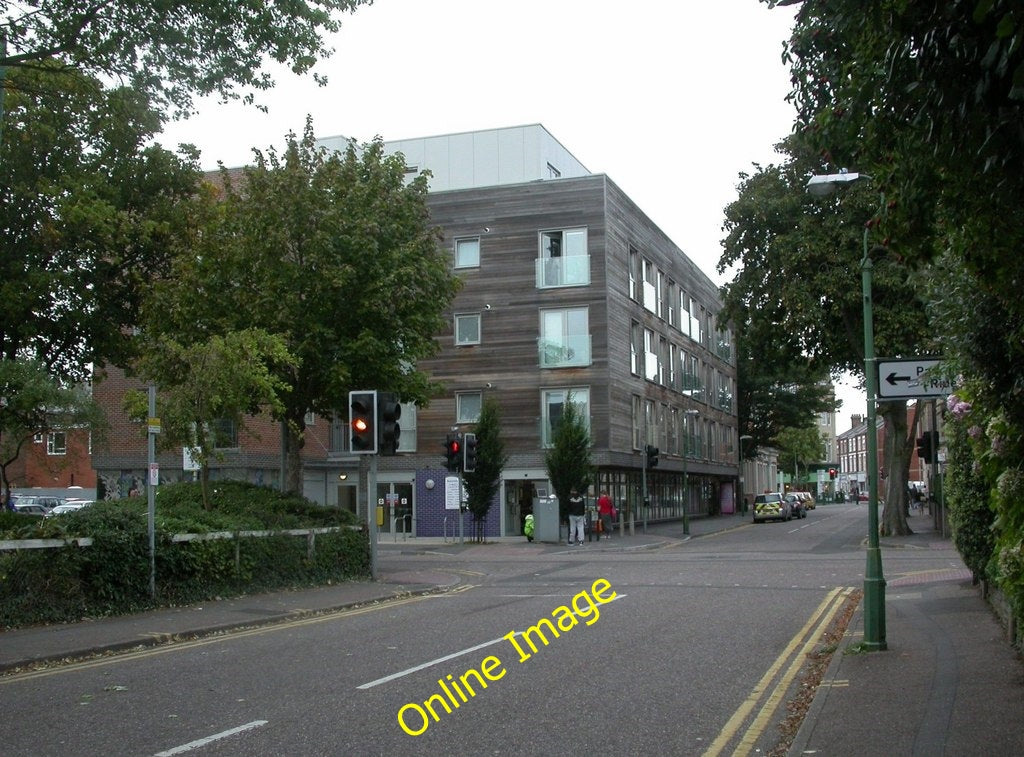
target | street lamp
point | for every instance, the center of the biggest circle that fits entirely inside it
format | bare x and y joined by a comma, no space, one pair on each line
686,477
742,509
874,583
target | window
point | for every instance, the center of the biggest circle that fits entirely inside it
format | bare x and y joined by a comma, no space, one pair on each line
684,312
650,423
553,173
564,338
56,443
225,433
467,407
467,253
650,287
663,369
650,356
467,328
563,259
554,402
635,274
636,349
638,439
662,284
407,423
672,304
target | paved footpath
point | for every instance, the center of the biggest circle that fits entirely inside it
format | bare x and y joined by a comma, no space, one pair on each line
948,684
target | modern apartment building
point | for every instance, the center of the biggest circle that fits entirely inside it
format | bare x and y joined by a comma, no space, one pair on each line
570,293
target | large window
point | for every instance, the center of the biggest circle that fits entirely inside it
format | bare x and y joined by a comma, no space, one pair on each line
467,328
564,338
553,401
225,433
56,443
467,253
468,406
563,260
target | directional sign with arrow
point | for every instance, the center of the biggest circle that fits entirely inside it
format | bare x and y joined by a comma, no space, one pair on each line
910,378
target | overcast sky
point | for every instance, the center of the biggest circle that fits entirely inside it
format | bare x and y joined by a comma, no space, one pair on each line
672,100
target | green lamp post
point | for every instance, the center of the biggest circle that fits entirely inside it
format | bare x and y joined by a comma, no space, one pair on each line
874,582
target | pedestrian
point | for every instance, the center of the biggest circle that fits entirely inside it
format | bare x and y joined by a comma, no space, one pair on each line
577,517
606,511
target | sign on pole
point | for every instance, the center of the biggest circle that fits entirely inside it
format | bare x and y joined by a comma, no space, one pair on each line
911,378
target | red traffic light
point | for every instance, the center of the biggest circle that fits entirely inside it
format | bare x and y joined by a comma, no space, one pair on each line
454,447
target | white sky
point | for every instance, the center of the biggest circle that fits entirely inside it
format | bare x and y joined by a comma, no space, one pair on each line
672,100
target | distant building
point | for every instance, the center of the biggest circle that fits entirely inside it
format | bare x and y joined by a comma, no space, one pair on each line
570,293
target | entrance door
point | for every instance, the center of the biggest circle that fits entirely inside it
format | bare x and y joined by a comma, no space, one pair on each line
395,503
519,498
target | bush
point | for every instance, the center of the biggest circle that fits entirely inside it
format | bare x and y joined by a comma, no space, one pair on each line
113,575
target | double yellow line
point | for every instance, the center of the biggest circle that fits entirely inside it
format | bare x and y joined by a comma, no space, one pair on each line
819,620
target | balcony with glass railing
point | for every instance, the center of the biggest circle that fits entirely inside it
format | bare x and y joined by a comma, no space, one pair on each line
567,352
572,270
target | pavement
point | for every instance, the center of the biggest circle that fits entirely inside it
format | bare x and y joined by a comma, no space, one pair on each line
948,683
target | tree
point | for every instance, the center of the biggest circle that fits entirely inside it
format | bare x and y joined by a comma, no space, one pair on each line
797,291
798,447
169,49
568,461
483,482
203,385
87,216
335,254
32,402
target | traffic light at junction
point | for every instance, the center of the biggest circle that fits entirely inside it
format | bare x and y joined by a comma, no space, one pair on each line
652,456
469,453
373,421
453,452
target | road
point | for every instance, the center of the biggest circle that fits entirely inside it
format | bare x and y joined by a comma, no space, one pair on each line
689,647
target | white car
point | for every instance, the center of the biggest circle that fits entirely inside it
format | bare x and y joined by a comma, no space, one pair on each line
69,507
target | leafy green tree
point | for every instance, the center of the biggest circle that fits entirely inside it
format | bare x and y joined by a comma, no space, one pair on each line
482,483
225,378
335,254
33,402
798,447
170,49
87,216
568,461
796,294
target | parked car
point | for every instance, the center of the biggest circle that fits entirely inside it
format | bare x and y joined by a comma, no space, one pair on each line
69,506
29,508
46,501
808,500
771,506
796,505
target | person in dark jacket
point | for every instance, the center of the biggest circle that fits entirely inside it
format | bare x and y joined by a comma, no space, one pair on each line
577,517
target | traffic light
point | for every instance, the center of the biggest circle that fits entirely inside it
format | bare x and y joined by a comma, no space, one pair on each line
389,410
453,452
469,453
927,446
652,456
832,473
363,422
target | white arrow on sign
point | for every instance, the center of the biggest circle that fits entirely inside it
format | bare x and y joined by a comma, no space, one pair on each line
910,378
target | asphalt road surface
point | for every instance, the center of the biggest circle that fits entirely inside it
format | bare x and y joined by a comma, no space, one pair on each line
687,648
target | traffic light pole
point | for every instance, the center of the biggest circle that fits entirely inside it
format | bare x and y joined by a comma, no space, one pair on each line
462,513
371,514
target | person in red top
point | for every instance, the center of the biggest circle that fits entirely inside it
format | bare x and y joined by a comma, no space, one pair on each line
606,511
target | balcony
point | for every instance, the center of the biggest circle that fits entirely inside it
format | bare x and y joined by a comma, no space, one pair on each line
573,270
568,352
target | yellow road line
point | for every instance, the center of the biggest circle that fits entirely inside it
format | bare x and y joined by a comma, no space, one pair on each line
733,725
219,638
770,706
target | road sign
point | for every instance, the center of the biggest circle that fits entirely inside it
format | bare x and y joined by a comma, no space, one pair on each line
911,378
